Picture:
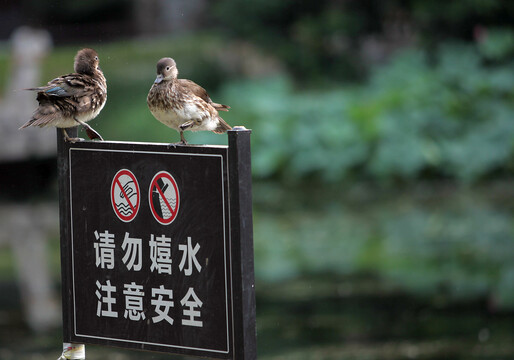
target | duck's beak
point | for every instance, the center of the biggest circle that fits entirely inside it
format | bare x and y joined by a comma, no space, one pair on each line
158,79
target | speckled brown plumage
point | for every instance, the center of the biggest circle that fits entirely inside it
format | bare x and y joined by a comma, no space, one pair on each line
72,99
182,104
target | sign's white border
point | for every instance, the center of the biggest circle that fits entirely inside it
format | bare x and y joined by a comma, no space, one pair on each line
224,245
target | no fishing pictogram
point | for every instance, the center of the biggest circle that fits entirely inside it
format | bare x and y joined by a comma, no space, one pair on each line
125,195
164,198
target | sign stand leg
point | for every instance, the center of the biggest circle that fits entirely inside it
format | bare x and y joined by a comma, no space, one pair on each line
240,180
70,350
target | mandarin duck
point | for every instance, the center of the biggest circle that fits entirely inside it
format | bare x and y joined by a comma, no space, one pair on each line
73,99
182,104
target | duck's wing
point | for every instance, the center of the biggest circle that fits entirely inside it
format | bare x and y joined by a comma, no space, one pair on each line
197,90
71,85
62,98
51,110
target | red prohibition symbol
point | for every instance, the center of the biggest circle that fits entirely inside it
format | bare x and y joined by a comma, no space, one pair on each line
125,195
164,198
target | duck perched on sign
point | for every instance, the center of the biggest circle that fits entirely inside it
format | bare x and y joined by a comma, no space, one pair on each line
182,104
73,99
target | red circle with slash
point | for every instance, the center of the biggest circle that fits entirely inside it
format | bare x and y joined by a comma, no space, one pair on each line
164,198
125,195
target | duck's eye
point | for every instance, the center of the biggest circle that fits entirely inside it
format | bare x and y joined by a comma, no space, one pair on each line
96,58
168,68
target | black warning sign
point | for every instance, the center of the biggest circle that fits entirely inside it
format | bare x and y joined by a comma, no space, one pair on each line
160,278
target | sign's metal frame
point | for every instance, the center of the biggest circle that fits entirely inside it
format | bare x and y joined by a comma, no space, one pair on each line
243,342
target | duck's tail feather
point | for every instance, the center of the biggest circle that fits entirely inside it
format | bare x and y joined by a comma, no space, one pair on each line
220,107
222,126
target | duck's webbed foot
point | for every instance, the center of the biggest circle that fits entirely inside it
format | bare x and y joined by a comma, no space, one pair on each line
180,143
70,139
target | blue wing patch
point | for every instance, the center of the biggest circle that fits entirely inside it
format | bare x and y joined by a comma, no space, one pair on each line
56,91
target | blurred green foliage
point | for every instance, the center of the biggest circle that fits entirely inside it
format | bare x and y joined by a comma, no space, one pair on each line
323,40
411,119
437,242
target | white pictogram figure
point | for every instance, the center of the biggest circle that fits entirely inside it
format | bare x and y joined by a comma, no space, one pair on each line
125,197
160,254
106,299
133,253
164,198
191,301
104,250
134,302
162,306
189,254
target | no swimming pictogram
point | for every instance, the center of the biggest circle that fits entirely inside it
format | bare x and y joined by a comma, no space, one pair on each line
125,195
164,198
